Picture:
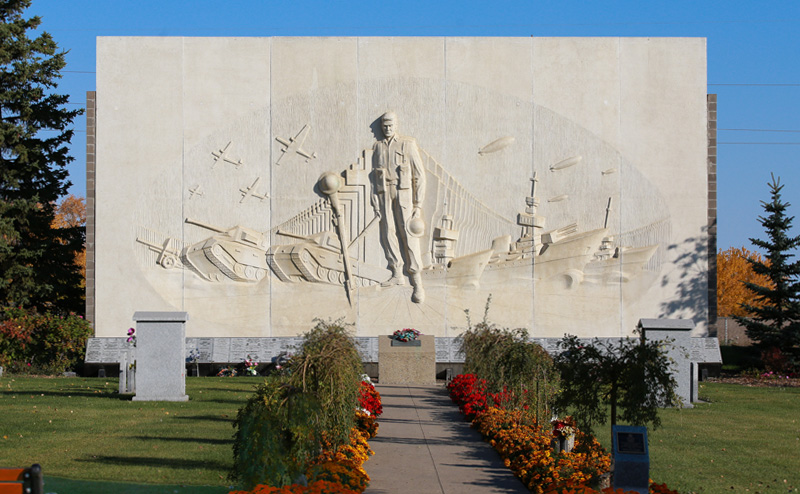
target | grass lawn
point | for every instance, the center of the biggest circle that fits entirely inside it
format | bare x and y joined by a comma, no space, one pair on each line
81,428
744,439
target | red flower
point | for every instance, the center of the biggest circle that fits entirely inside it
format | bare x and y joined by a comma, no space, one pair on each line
369,399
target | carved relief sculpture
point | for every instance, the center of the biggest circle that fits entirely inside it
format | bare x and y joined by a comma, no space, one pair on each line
398,176
386,187
294,145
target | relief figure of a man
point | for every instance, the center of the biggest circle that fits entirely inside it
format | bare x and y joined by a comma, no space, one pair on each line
398,191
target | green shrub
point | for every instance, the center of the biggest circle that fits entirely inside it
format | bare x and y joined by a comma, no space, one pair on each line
310,403
329,367
511,364
274,440
42,343
630,379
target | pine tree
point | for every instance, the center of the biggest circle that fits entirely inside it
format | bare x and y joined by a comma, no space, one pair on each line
37,267
775,313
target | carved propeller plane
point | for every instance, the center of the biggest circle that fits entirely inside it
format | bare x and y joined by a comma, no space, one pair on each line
251,191
295,144
220,155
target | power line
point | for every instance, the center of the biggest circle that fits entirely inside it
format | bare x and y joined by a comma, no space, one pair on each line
763,130
765,143
754,84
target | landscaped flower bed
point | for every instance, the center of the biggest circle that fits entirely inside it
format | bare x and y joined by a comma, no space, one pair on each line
527,448
318,487
654,489
340,470
335,472
308,423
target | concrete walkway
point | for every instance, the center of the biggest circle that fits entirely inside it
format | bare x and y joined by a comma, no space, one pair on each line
425,446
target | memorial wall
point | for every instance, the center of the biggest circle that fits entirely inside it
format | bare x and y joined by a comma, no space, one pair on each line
260,183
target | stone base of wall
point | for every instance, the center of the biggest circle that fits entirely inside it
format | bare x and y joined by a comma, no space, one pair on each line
407,364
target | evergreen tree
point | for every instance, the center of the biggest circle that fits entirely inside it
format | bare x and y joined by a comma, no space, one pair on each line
37,262
774,320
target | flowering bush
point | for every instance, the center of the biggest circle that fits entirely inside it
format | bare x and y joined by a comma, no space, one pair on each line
367,423
317,487
517,370
779,364
469,393
654,489
369,399
406,334
526,448
344,465
524,445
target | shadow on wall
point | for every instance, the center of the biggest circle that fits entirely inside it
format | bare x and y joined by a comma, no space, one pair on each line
690,300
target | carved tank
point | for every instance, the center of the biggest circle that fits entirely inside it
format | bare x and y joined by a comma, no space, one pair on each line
317,259
238,253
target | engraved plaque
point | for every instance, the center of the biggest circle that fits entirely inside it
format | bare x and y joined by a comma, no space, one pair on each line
220,351
443,349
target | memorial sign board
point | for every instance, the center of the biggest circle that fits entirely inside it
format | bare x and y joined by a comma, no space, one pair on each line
631,458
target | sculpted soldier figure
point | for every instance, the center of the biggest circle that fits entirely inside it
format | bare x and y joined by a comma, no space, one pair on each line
397,195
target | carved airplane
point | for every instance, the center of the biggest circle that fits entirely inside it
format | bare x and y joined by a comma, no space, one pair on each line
251,191
295,144
196,190
220,155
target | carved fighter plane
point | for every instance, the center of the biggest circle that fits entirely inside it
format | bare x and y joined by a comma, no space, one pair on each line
220,155
295,144
251,191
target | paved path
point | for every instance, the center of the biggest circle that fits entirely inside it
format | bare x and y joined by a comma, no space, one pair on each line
425,446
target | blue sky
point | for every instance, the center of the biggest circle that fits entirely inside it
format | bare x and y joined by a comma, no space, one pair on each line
753,61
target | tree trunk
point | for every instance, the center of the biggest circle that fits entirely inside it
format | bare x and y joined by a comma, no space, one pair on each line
613,405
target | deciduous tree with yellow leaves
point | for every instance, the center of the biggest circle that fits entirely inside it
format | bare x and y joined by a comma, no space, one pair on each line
733,271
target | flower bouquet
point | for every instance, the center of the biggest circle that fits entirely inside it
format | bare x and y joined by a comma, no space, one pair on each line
563,434
406,335
250,366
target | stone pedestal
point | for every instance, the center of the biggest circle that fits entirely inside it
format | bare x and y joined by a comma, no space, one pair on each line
678,333
406,364
160,356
